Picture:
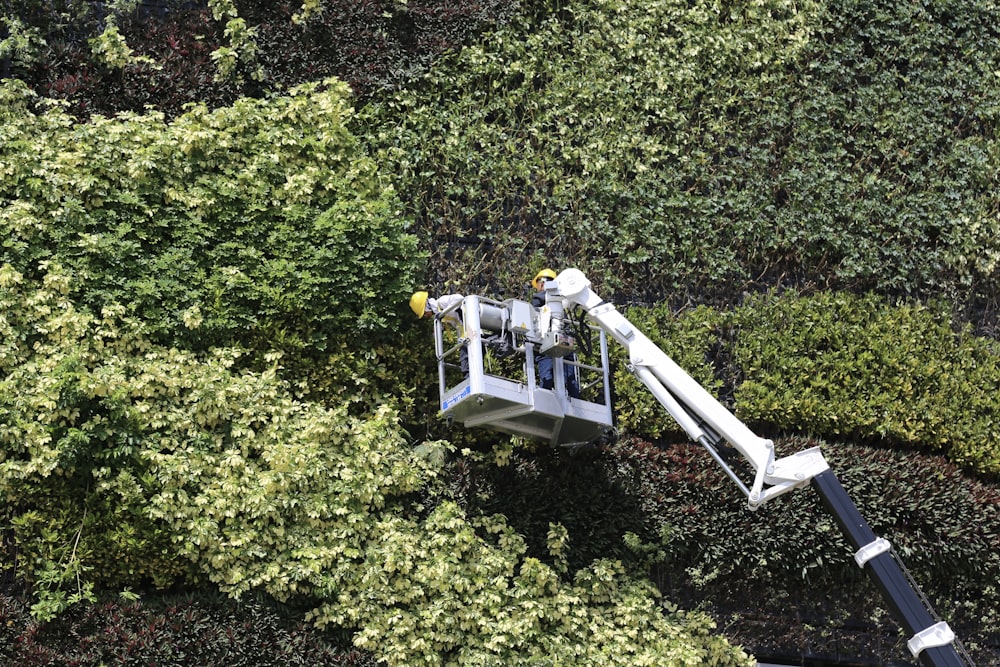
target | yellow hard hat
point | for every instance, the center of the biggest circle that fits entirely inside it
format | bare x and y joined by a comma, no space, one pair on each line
418,303
536,282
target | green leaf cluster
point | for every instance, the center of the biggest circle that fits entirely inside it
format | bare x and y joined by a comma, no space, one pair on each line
81,398
845,365
262,224
153,457
438,594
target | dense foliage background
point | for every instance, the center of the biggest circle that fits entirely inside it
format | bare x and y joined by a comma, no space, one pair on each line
209,380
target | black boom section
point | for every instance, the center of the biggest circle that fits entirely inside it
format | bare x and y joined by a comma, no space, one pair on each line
905,601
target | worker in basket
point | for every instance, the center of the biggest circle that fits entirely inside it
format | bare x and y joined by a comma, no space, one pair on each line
424,305
545,362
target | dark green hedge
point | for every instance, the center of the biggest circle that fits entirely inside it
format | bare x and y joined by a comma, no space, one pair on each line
944,526
674,150
371,45
174,630
670,512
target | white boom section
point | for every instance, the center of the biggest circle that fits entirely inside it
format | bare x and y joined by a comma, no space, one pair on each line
703,418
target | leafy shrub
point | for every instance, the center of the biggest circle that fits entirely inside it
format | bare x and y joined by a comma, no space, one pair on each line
72,474
425,590
780,145
108,440
709,526
438,593
849,365
259,224
907,147
565,143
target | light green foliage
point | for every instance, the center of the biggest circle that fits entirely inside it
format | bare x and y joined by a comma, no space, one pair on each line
222,9
80,399
122,461
111,51
242,49
435,593
308,9
22,43
835,365
125,458
290,502
848,365
261,223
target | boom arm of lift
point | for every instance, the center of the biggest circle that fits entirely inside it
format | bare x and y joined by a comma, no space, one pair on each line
709,423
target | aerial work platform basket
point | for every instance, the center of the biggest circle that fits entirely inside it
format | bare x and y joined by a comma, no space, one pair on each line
488,377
